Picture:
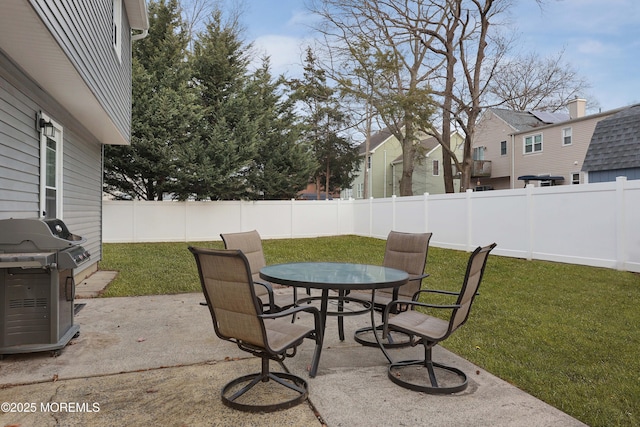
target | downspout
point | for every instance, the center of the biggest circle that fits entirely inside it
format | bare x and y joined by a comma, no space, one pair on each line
138,8
393,179
140,36
370,180
513,158
384,193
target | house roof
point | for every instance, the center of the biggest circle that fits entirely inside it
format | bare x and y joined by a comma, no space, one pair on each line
615,143
525,120
375,141
427,144
550,118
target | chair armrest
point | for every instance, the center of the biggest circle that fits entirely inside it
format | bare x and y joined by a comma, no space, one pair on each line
436,291
291,310
296,309
269,288
418,304
408,303
432,291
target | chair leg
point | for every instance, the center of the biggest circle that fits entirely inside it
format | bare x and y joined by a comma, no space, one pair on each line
399,373
295,299
316,353
428,363
364,336
340,316
290,381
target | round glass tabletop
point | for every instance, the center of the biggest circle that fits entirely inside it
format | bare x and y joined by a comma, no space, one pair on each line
334,275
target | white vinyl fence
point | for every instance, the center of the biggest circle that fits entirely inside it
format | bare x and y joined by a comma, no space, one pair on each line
591,224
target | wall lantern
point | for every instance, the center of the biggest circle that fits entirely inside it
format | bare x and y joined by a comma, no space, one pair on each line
45,126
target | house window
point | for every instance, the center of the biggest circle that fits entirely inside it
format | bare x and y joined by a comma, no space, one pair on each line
360,190
575,178
51,167
436,168
116,27
533,144
503,148
566,136
478,153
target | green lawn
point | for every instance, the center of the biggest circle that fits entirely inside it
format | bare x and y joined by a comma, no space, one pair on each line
566,334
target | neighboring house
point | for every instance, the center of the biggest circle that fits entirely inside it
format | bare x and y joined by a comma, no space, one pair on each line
615,147
493,146
383,148
428,172
311,193
533,147
65,91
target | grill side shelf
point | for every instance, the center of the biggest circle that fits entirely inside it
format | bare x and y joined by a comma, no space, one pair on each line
27,259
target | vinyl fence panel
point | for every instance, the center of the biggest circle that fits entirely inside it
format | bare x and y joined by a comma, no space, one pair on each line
591,224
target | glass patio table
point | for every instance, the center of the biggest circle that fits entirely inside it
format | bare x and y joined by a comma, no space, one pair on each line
340,277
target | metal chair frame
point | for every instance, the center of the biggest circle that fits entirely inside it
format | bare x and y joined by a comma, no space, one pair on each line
398,340
250,243
459,315
265,352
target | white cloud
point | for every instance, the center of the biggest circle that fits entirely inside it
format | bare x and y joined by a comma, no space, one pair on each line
594,47
302,18
285,53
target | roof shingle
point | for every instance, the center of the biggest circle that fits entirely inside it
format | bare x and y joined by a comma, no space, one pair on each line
615,143
524,120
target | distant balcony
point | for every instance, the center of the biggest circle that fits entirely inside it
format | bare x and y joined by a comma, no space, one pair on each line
481,169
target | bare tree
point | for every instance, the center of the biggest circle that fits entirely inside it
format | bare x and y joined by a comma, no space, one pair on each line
462,32
418,51
531,82
480,50
379,61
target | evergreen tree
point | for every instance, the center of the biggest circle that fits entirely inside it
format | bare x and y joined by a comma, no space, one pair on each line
163,110
224,152
283,163
336,158
203,127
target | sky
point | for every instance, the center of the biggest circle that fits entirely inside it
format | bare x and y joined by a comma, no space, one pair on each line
600,38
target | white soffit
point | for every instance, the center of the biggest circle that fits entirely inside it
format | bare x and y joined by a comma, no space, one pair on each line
27,41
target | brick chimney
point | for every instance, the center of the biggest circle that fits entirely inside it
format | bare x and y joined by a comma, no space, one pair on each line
577,108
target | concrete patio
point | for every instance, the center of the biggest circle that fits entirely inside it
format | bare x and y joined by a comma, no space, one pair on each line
155,360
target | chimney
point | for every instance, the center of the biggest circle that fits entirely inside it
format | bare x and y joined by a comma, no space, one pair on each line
577,108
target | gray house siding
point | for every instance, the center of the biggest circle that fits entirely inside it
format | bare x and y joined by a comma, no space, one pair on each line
20,101
83,31
611,175
19,148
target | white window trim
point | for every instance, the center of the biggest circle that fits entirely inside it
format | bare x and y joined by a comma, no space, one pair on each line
533,144
564,144
579,178
58,138
506,148
116,28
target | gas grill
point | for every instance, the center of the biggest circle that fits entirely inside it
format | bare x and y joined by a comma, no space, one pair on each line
37,289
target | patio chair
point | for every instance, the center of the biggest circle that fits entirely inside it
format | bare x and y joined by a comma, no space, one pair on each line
406,252
429,330
250,243
237,316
